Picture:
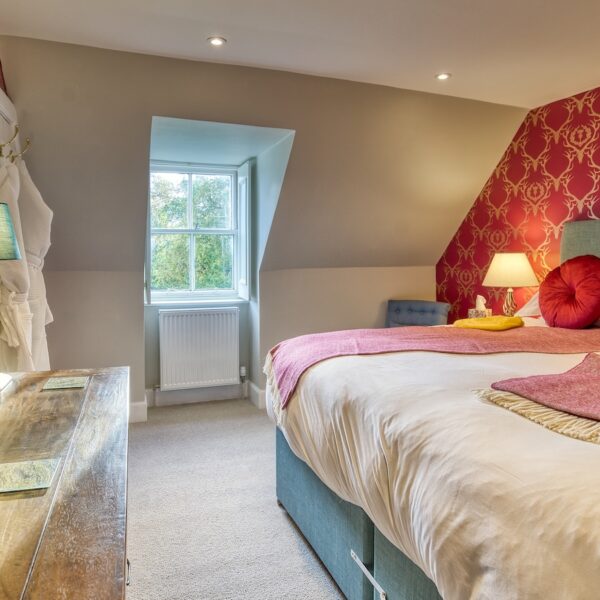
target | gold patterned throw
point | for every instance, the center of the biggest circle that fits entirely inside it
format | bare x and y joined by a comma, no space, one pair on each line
561,422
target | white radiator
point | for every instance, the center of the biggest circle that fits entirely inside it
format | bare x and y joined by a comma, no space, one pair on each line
198,348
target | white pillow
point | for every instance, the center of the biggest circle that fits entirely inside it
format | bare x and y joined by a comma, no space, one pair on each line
532,308
534,322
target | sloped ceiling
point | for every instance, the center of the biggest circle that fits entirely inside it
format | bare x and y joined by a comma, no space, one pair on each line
518,52
385,177
377,176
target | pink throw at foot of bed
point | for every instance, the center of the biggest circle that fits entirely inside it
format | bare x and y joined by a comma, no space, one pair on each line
576,391
289,359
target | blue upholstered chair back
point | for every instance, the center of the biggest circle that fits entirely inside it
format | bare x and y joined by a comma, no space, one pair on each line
401,313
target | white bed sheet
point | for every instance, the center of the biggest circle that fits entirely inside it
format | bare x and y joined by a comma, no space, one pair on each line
488,504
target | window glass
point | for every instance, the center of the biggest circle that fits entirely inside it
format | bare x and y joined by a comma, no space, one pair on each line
169,200
170,261
214,262
195,241
211,198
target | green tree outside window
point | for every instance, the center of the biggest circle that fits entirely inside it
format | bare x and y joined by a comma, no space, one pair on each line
180,205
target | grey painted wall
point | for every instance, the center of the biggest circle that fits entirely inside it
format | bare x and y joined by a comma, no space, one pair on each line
271,167
378,176
269,173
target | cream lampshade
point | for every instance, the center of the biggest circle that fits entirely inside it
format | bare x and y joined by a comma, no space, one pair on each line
510,270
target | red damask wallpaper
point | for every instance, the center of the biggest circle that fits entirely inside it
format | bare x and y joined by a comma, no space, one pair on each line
549,174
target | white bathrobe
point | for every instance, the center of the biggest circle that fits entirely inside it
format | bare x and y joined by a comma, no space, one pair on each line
15,316
24,311
36,219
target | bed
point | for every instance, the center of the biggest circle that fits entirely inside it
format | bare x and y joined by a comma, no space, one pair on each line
408,486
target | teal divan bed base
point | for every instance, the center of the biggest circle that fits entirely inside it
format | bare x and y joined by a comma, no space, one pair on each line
334,528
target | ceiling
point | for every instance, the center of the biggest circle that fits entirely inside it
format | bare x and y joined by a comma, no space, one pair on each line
205,142
522,53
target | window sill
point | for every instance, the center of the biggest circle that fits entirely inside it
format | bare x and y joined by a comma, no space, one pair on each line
195,303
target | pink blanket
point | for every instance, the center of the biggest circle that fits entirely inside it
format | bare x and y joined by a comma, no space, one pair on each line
576,391
291,358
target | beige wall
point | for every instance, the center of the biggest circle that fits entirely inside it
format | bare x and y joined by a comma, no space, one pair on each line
299,301
377,176
98,322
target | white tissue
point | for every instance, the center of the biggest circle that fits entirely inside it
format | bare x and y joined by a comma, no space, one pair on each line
480,303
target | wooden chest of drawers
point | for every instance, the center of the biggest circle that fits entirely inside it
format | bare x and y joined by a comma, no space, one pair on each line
67,541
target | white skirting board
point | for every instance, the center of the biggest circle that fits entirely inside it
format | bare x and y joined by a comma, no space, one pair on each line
208,394
258,396
138,412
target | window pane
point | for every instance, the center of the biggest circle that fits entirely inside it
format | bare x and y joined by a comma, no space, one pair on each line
214,262
211,196
168,200
170,262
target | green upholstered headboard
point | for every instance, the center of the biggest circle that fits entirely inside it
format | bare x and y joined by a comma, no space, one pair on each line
579,238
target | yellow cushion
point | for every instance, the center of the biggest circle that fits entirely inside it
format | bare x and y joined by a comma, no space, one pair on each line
497,323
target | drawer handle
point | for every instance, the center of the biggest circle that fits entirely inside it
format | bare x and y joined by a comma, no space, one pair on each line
128,578
367,574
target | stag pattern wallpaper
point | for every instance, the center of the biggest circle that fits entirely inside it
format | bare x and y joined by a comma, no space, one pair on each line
550,174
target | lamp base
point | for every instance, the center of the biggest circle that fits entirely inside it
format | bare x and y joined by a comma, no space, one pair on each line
510,306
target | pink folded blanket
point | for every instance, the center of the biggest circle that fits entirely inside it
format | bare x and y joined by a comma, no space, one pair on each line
288,360
577,391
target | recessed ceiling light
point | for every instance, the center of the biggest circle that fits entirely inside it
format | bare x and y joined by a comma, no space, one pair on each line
216,40
443,76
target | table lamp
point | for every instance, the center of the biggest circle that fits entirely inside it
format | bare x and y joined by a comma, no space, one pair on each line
510,270
9,250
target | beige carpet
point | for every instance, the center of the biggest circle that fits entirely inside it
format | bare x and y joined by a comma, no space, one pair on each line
203,522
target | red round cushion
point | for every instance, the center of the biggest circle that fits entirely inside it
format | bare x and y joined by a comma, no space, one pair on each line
570,294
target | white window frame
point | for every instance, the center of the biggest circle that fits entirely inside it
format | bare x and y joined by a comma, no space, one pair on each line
239,237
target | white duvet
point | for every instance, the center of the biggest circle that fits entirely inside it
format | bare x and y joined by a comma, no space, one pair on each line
488,504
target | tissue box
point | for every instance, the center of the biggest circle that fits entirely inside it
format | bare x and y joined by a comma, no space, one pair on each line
478,314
